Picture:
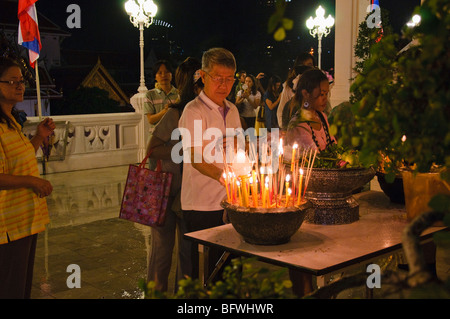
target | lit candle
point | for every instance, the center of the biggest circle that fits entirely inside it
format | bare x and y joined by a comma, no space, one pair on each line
300,187
234,187
261,170
240,192
266,193
288,196
244,191
267,184
263,195
226,186
288,178
254,189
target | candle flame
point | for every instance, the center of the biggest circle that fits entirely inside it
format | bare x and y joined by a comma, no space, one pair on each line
288,178
295,145
301,171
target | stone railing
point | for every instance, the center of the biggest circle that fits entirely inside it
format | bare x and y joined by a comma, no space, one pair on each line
92,141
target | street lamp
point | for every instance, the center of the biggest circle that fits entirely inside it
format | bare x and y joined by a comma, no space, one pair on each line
321,27
141,14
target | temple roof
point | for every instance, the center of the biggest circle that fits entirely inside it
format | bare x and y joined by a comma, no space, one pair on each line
100,77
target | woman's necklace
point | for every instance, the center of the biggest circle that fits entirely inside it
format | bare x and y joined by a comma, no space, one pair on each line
325,128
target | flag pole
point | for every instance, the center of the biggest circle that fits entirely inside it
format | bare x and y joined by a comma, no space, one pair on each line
38,90
38,82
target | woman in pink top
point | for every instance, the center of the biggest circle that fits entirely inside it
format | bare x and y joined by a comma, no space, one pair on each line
309,127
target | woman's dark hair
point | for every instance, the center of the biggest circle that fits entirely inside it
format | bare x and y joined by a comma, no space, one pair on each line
274,79
184,80
297,69
303,57
308,81
254,89
5,64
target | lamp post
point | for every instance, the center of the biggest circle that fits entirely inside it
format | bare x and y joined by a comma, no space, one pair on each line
321,27
141,14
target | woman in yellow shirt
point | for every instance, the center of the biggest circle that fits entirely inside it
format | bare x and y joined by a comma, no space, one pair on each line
23,208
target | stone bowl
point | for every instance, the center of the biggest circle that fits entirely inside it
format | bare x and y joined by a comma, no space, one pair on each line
393,190
266,226
338,180
330,192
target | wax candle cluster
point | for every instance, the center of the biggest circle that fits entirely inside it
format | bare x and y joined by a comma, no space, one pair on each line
255,185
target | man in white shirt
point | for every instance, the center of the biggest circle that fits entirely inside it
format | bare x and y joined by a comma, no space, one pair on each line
202,184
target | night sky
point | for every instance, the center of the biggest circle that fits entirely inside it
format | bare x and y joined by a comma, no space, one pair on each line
239,25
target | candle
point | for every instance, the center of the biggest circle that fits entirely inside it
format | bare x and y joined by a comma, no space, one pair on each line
288,196
300,187
266,193
226,186
240,192
293,156
267,184
288,178
263,195
254,189
261,170
244,191
234,187
280,152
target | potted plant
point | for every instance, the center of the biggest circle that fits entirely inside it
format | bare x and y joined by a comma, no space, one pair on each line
403,112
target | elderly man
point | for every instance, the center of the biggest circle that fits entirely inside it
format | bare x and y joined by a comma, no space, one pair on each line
202,184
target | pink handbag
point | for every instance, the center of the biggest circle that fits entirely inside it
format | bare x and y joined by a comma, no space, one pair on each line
146,195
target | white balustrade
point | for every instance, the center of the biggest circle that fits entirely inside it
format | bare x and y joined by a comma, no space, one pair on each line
93,141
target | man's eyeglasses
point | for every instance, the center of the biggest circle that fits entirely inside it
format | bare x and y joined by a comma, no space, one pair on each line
12,82
221,80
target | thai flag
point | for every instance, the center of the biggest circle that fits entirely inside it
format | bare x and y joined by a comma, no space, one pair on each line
28,29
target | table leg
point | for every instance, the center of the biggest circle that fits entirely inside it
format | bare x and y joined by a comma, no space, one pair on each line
219,265
323,280
203,255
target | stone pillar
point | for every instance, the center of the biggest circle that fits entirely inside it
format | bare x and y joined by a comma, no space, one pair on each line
137,101
349,14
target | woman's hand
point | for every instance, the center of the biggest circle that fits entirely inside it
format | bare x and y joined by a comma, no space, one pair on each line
45,128
41,187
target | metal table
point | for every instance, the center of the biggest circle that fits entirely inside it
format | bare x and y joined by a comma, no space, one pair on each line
322,250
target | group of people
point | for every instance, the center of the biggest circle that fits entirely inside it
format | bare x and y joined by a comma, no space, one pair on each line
206,90
200,95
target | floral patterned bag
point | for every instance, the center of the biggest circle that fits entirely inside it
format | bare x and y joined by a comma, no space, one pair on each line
146,195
